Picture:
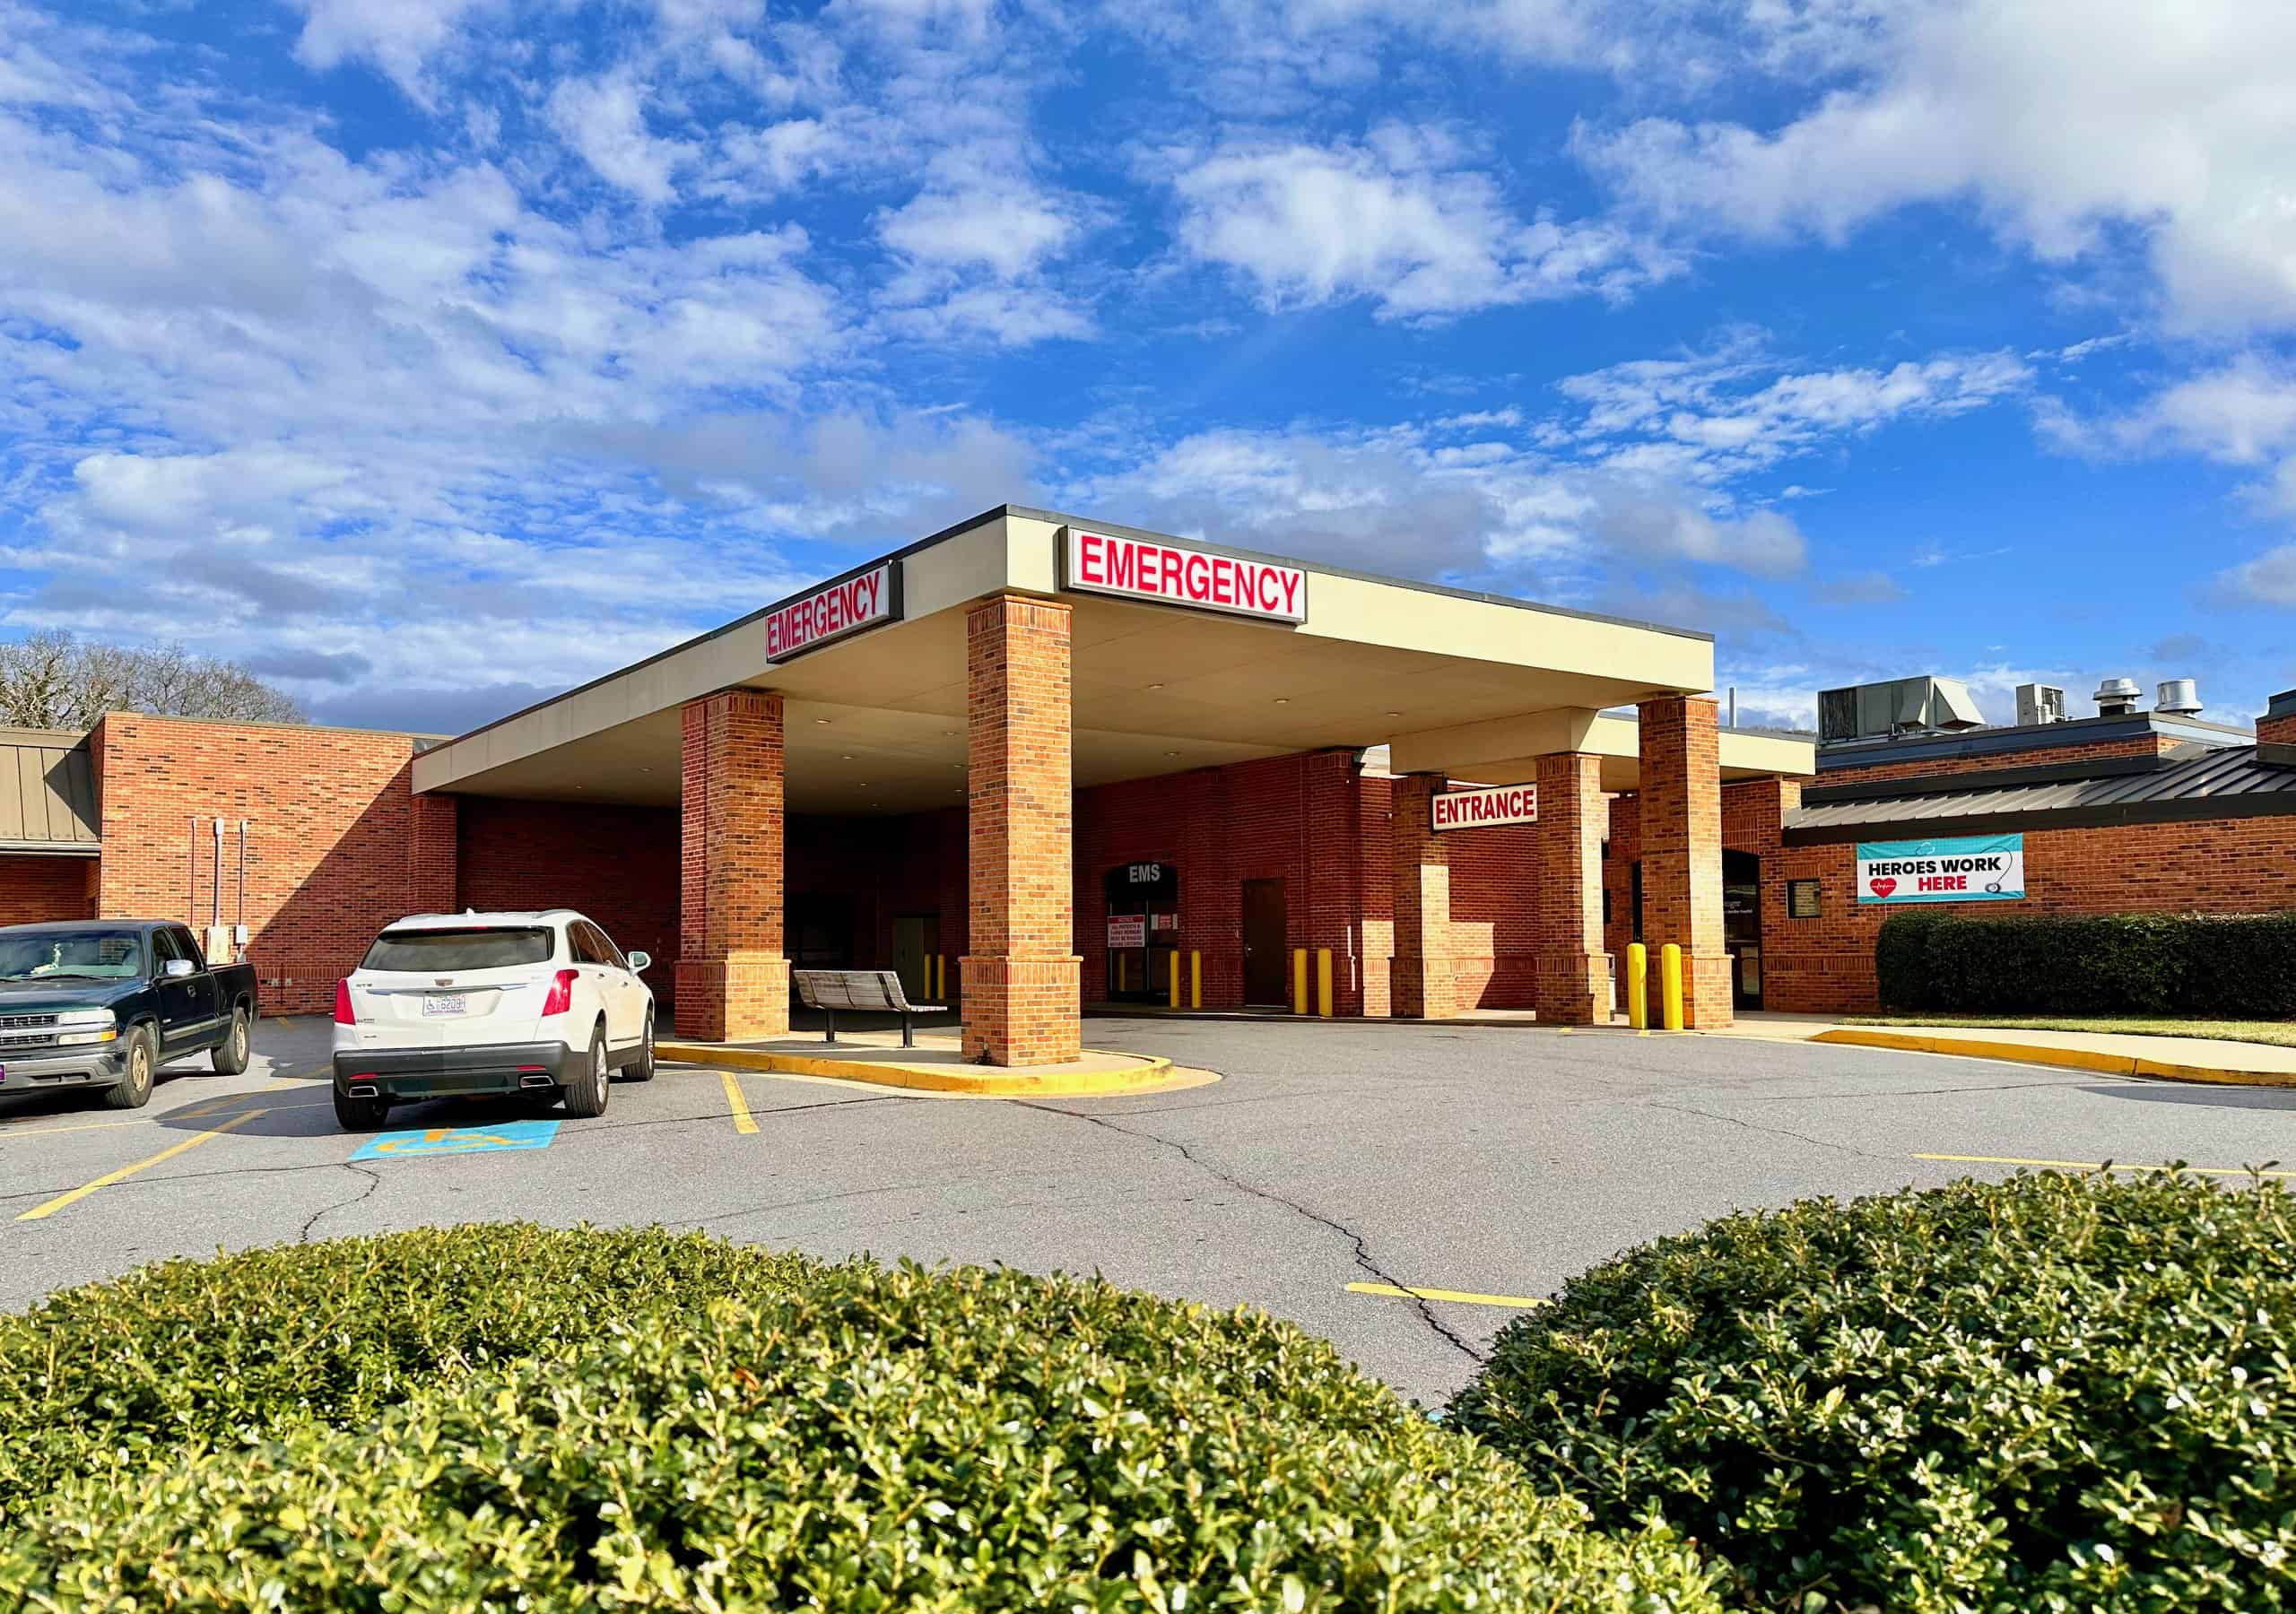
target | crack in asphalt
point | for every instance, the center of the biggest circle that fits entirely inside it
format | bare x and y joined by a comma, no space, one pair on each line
359,1198
1363,1249
1775,1131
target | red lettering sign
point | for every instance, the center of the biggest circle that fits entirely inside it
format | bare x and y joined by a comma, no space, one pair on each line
1148,568
1485,809
867,601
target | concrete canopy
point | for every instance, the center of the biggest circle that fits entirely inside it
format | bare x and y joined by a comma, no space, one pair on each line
875,723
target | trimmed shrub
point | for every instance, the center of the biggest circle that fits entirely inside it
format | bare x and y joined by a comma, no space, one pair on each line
237,1348
2050,1393
862,1439
2239,966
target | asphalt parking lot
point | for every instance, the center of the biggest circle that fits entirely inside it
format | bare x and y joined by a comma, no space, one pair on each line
1488,1164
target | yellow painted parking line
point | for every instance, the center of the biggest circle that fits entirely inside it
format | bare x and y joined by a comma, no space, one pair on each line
2233,1171
1463,1296
125,1172
744,1122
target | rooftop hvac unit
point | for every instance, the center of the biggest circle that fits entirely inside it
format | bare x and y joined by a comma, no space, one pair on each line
1901,706
2039,703
2179,696
2117,698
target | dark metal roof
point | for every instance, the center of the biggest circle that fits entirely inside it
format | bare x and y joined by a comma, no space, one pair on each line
47,794
2229,782
1948,749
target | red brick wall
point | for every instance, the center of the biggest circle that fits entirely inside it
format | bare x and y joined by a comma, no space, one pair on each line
1310,820
328,858
2150,744
2218,866
33,890
617,864
882,869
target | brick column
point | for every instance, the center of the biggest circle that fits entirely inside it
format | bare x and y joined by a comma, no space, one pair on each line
733,980
1680,805
432,886
1022,997
1573,983
1421,982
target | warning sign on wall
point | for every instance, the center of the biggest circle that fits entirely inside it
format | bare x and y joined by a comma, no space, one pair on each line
1970,868
1127,930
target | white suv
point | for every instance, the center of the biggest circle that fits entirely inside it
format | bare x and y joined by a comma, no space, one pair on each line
449,1005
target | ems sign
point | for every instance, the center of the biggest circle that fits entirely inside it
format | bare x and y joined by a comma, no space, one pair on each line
1482,809
1175,574
868,599
1971,868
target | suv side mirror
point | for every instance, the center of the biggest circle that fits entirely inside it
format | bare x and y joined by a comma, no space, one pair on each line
640,960
175,969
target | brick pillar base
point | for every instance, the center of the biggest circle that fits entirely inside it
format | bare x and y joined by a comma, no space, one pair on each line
1022,1011
740,997
1571,982
1023,1003
1422,984
1680,804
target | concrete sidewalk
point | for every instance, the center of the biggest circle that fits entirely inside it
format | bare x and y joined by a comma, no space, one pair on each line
2202,1059
936,1064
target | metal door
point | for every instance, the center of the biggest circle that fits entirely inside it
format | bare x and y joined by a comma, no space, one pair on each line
1266,977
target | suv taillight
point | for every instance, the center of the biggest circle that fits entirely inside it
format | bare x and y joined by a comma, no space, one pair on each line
344,1013
561,994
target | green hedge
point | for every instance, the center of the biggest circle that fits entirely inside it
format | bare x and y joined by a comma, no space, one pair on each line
845,1438
115,1375
2229,966
2052,1393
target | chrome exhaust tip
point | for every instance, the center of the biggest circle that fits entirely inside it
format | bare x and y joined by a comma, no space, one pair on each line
536,1081
362,1089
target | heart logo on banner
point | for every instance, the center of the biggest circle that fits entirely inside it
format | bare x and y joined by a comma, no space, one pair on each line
1882,887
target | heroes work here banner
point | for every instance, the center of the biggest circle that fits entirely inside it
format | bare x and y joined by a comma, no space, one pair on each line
1970,868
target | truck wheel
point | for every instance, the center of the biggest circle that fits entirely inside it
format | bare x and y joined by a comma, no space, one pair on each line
585,1094
230,1055
361,1114
641,1069
134,1090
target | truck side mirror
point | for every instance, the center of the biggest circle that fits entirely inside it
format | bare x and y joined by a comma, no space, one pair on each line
175,969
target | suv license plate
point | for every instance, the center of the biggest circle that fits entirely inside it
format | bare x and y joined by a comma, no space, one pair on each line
445,1002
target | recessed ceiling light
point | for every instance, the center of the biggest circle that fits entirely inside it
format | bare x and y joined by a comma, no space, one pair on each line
1395,714
847,756
1284,700
1171,753
1155,686
822,721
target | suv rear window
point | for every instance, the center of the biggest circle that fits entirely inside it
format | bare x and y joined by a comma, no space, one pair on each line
420,950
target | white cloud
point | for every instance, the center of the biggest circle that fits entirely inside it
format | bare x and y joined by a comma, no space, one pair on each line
398,37
2269,579
1399,219
604,118
2063,120
1007,227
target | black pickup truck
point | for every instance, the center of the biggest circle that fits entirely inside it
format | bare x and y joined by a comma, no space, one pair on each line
102,1003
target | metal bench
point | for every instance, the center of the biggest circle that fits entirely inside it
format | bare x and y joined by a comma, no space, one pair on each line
867,990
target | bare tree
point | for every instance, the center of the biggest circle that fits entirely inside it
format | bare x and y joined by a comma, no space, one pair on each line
52,681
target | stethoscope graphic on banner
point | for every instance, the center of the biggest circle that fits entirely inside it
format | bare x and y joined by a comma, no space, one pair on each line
1994,889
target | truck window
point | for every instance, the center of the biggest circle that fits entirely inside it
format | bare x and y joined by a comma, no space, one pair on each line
446,949
88,955
163,948
188,946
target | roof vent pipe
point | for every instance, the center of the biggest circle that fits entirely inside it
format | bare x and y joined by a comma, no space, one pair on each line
2179,696
2117,698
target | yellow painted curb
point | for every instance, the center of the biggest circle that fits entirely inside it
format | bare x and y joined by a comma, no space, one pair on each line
2077,1059
1138,1073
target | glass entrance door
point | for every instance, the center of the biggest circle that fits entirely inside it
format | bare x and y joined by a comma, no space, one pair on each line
1144,930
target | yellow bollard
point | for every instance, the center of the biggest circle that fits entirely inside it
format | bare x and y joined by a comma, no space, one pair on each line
1670,975
1323,982
1298,980
1638,986
939,977
1196,980
1175,958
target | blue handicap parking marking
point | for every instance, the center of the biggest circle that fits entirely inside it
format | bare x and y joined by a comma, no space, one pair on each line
457,1141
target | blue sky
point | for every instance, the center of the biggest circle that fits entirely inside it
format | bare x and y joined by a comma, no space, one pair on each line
432,355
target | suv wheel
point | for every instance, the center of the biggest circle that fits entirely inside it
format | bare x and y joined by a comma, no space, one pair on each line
134,1090
586,1095
230,1055
641,1069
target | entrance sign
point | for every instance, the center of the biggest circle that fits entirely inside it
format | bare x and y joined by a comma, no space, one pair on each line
1971,868
1127,930
868,599
1483,808
1176,574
